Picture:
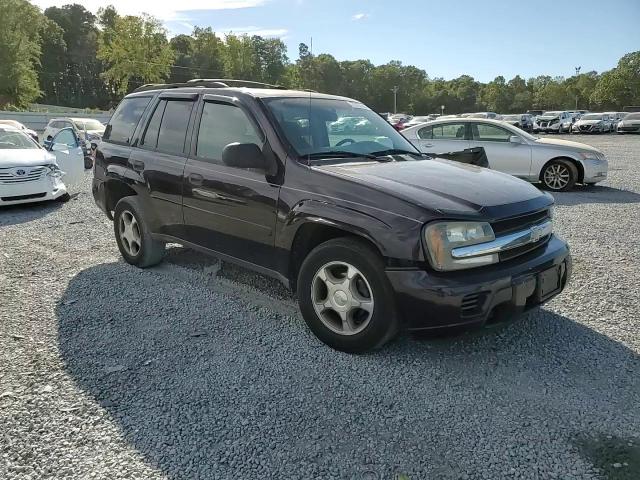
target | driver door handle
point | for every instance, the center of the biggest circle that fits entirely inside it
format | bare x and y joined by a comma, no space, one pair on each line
196,179
138,165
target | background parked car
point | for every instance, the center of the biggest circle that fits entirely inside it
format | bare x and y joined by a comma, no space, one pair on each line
85,128
535,113
28,173
418,120
629,124
524,122
593,123
558,164
15,124
398,120
615,118
554,122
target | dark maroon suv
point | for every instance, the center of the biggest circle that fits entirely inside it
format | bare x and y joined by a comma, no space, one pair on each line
372,235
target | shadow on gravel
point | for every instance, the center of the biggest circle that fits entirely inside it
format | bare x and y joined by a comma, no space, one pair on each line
18,214
582,194
208,385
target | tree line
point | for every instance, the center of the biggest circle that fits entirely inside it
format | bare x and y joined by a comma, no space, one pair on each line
69,56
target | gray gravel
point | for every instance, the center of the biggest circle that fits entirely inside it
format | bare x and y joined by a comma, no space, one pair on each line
196,370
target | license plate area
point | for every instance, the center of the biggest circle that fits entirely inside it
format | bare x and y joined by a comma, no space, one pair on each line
550,281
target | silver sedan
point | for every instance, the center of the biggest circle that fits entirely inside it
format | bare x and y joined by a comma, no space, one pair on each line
557,164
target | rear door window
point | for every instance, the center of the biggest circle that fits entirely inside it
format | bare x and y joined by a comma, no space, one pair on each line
125,119
173,127
449,131
150,137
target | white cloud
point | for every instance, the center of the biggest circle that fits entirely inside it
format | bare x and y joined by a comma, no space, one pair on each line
252,30
163,10
360,16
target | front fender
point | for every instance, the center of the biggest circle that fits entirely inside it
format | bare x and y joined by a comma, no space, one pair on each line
395,236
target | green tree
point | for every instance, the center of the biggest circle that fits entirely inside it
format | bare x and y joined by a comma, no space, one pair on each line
20,26
240,58
53,61
208,57
138,53
271,57
620,86
182,69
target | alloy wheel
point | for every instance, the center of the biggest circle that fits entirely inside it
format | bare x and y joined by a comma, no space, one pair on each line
557,176
342,298
130,233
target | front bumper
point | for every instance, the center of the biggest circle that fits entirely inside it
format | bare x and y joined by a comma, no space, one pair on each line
46,188
430,300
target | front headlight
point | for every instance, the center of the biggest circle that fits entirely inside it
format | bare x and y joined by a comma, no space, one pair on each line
592,156
441,238
54,171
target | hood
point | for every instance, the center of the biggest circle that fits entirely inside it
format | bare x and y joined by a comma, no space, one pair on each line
546,118
25,157
447,186
568,144
588,122
512,122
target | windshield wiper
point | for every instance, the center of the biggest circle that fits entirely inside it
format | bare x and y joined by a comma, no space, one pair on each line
395,151
340,154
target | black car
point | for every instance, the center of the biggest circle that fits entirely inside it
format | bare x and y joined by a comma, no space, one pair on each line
371,234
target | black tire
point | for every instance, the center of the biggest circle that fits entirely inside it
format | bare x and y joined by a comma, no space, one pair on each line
564,166
383,323
150,251
88,162
64,198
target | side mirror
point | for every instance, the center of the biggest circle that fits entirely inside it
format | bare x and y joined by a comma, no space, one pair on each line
244,155
515,139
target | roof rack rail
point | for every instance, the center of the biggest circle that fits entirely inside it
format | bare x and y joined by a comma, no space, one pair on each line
231,82
208,83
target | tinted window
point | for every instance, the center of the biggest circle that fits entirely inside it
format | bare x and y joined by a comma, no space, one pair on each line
221,125
490,133
125,119
426,132
150,138
173,128
66,137
449,131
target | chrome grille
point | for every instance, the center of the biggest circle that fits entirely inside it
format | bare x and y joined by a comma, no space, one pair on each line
32,174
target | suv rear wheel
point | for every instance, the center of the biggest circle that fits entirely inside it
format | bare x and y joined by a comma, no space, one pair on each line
345,297
559,176
133,237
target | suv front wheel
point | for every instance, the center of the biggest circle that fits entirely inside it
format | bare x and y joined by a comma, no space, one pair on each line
345,296
133,237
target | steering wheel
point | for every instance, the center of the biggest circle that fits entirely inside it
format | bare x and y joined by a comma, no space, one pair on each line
345,141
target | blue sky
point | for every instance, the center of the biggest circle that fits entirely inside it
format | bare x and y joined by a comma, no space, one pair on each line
482,38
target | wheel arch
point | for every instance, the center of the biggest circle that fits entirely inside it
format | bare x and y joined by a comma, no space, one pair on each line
115,190
577,164
314,232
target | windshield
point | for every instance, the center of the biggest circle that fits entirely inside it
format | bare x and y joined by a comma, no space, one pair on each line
12,140
591,116
551,114
88,124
315,126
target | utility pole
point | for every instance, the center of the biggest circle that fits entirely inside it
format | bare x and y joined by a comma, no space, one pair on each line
441,110
395,91
577,73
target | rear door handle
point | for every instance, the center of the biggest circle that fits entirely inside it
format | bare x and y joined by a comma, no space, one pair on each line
138,165
196,179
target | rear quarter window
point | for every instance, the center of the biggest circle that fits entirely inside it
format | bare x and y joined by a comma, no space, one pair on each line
125,119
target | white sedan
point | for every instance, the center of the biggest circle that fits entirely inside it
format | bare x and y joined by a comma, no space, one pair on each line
558,164
29,173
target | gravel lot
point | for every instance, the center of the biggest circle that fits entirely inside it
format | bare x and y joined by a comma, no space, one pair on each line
196,370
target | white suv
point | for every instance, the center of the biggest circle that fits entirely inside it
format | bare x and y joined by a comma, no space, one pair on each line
89,127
